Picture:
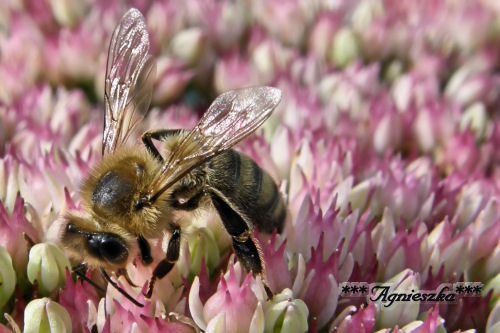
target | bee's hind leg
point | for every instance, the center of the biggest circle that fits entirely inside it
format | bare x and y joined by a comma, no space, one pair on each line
160,135
245,246
164,266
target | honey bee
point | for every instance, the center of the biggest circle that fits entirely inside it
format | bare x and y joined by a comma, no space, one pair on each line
137,193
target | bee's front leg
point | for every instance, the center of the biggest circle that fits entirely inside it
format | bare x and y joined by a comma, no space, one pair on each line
145,250
164,266
160,135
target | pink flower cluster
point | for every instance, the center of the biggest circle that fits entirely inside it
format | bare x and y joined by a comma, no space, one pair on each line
385,146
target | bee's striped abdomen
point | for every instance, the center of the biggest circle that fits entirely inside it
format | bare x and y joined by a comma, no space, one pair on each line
249,189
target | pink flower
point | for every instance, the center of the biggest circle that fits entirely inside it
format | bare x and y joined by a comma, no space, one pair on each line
278,275
403,250
78,299
363,320
164,20
269,56
320,290
232,72
71,54
230,308
322,33
224,22
13,225
18,68
284,19
124,320
171,79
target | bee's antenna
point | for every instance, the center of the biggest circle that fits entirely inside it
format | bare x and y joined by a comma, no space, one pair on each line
117,287
78,271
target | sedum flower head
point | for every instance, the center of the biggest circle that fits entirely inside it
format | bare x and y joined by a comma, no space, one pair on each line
79,301
231,308
47,267
385,147
13,226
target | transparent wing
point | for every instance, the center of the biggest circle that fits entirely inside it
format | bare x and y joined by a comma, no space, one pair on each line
129,80
231,117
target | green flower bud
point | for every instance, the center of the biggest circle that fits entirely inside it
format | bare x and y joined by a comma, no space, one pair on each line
345,47
202,244
7,277
493,284
45,315
47,265
285,314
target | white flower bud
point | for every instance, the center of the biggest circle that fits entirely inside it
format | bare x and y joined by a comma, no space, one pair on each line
45,315
359,195
188,45
47,265
67,12
475,118
365,13
399,312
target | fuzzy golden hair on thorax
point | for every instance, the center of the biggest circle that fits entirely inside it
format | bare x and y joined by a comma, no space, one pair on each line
115,185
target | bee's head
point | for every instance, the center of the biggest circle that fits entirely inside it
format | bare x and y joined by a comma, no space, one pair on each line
96,247
111,249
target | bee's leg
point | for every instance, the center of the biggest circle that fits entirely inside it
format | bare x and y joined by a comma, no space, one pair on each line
164,266
145,250
245,246
157,135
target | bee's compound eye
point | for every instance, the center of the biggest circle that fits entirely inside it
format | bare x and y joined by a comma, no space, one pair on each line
113,249
107,246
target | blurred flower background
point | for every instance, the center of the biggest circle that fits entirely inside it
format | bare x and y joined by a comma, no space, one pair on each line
386,146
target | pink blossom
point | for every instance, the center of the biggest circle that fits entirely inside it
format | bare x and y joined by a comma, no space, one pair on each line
14,224
18,68
363,320
234,302
172,78
78,299
232,72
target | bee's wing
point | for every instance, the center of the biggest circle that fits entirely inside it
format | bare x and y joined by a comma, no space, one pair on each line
231,117
130,74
